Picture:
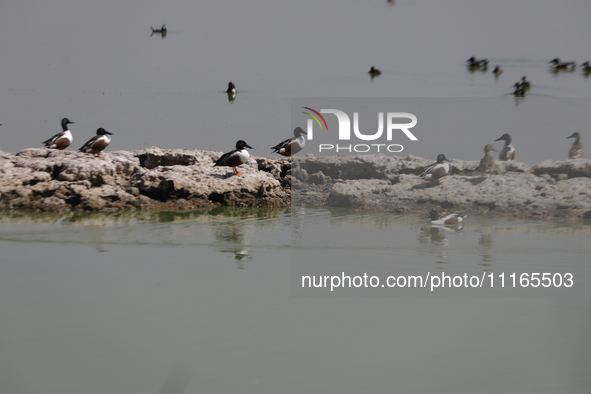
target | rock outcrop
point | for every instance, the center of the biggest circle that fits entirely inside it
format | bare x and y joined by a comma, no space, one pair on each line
49,180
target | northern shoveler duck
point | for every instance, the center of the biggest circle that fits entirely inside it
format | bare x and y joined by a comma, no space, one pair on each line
163,30
235,158
374,72
451,219
576,151
436,171
508,151
586,67
519,90
497,71
98,143
61,140
473,62
487,163
291,146
558,65
525,83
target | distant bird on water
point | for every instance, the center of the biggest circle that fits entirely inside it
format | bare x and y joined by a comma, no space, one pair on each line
231,91
61,140
436,171
473,62
497,71
558,65
291,146
586,67
508,151
576,151
451,219
519,90
525,83
98,143
374,72
487,163
235,158
162,31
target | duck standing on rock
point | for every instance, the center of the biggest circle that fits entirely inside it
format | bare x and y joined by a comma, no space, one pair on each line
436,171
291,146
235,158
98,143
508,151
487,163
451,219
576,151
61,140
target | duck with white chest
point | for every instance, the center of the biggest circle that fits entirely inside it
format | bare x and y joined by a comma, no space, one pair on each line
436,171
61,140
98,143
448,220
235,158
291,146
508,151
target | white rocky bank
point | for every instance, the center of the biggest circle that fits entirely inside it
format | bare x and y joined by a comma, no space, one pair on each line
49,180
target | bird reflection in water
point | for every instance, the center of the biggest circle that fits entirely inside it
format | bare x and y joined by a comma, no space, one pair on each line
485,249
234,241
436,235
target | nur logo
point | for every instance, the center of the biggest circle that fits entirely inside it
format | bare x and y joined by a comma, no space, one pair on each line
344,133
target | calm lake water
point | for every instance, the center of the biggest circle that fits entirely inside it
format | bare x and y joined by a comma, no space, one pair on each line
203,301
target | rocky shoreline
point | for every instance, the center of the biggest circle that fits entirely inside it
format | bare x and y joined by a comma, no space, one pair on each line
154,178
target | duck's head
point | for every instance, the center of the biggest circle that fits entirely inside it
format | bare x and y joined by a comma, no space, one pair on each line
299,131
441,158
575,135
242,144
524,79
434,215
554,61
506,138
488,148
102,131
164,28
472,59
586,64
66,122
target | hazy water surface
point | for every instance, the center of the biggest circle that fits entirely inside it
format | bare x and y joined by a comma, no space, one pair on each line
202,302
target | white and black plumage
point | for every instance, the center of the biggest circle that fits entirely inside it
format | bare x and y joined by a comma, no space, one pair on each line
291,146
519,90
508,151
576,151
98,143
525,83
61,140
235,158
497,71
436,171
231,91
451,219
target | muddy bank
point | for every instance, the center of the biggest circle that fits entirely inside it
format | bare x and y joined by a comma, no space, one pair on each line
60,181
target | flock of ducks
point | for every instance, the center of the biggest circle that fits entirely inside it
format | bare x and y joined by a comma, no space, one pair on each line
440,169
95,145
433,173
233,159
